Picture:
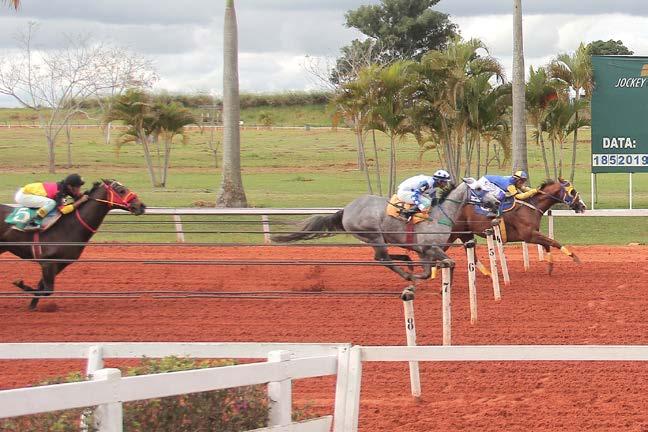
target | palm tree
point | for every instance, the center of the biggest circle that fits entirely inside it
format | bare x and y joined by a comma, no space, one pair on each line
171,120
574,71
231,193
539,93
444,79
14,3
388,108
520,161
562,120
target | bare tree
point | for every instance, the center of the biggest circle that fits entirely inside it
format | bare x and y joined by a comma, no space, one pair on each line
121,69
14,3
56,84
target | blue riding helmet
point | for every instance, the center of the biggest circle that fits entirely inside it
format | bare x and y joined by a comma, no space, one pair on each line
520,175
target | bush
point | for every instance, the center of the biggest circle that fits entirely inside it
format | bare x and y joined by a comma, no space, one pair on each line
229,410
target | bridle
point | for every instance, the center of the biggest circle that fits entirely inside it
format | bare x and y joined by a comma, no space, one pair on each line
566,195
114,200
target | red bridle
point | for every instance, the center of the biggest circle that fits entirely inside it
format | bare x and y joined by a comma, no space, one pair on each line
114,199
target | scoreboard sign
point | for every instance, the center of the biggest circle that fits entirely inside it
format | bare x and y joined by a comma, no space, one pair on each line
620,114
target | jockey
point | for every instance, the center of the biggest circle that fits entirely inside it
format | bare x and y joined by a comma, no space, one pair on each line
424,191
513,186
46,196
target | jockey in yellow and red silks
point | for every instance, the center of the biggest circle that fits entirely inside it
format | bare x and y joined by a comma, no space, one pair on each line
45,196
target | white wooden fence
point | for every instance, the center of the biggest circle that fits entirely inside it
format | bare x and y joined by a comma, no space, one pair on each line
109,390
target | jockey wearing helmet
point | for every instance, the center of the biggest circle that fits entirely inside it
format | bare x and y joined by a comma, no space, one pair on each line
45,196
424,191
513,186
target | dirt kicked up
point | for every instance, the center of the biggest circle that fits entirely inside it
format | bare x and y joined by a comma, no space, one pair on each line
601,301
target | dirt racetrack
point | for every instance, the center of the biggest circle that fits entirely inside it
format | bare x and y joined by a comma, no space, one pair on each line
601,301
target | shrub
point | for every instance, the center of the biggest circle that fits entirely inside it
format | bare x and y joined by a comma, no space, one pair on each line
229,410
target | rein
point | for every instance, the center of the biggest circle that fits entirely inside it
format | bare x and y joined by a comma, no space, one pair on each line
114,199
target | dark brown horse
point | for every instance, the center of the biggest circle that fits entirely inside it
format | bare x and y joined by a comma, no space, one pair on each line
522,223
76,227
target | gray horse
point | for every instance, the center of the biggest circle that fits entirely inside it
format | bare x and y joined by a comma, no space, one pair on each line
367,220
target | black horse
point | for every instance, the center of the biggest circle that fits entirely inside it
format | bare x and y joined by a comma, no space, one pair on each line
76,227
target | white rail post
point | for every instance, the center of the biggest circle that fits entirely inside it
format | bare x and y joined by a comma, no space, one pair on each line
352,411
446,275
493,264
540,253
178,227
341,388
410,332
502,256
593,188
95,362
266,229
525,255
551,224
280,394
109,417
472,280
630,190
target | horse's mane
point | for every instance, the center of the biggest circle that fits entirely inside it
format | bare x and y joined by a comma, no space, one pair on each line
549,182
118,187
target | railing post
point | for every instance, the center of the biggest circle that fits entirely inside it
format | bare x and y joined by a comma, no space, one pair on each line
341,388
280,394
266,229
178,227
493,264
109,417
446,276
410,334
551,224
352,411
525,255
95,363
502,255
472,280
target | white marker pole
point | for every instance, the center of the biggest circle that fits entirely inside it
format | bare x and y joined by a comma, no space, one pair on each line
446,273
410,332
502,256
493,264
472,280
525,256
540,253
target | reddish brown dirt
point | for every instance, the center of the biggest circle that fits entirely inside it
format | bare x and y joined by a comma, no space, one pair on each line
601,301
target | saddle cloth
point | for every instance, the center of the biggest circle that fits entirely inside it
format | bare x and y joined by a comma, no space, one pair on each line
19,217
396,207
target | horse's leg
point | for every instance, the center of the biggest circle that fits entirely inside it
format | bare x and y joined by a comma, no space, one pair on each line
46,284
403,257
547,242
381,254
433,255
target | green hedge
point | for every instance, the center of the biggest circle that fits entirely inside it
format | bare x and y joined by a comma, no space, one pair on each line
229,410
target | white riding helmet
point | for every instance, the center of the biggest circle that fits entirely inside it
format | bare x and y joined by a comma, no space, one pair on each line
442,175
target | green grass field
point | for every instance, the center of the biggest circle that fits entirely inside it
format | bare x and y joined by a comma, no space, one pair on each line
290,168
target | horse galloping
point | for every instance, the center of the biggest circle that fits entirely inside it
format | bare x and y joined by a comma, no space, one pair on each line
522,222
367,220
76,227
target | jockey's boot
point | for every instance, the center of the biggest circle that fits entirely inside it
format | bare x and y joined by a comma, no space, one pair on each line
42,212
409,213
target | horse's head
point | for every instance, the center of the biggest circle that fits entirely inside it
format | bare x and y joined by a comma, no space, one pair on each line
115,194
564,192
488,194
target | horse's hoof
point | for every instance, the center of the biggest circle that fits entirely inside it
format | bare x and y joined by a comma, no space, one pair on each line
446,263
408,293
19,283
550,269
576,259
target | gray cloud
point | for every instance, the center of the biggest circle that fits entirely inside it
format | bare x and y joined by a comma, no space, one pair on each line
497,7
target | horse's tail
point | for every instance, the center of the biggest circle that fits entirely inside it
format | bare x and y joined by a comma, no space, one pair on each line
314,227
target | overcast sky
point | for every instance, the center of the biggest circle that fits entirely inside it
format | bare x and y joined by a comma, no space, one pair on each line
184,39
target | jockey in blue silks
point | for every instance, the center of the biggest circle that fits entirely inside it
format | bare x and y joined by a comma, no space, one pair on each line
422,191
513,186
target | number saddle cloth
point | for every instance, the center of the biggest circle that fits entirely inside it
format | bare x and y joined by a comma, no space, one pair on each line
396,207
21,216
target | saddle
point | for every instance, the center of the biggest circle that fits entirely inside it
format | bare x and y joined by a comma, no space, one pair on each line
403,211
21,215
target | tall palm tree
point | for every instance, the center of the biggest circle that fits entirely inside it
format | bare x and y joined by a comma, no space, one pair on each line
231,193
574,71
520,161
14,3
539,93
